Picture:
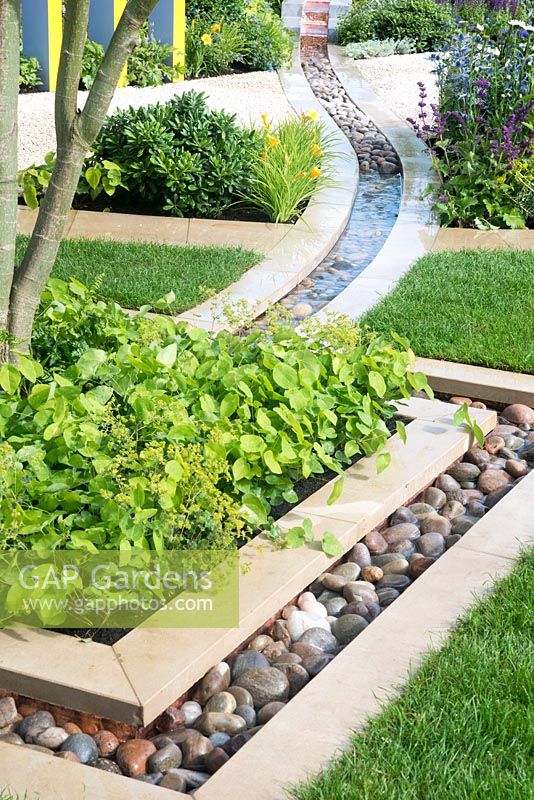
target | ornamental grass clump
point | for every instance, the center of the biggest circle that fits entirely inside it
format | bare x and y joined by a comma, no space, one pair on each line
127,431
481,133
294,164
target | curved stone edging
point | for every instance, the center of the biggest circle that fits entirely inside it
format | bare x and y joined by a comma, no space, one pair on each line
414,231
308,241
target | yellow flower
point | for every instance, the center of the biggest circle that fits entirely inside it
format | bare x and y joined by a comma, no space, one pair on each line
216,27
272,141
316,150
265,120
300,175
315,172
310,115
263,156
206,39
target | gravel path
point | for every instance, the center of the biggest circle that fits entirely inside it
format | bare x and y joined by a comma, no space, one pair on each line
248,96
395,79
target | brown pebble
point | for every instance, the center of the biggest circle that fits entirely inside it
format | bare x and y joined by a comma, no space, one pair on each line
216,759
519,414
305,650
171,719
72,728
375,543
269,711
459,401
132,756
492,479
419,565
106,742
493,444
516,468
372,574
479,404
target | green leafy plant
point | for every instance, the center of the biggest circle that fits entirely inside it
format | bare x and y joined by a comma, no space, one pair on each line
93,53
425,22
269,43
212,48
221,37
96,177
299,535
218,10
137,430
100,176
295,163
375,48
29,73
149,64
34,179
179,157
462,418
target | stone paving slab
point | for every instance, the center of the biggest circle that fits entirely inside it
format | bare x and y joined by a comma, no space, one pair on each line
481,383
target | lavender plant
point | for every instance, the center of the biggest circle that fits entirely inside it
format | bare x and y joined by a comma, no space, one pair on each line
483,123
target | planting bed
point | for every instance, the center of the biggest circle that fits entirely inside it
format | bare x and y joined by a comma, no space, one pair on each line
199,733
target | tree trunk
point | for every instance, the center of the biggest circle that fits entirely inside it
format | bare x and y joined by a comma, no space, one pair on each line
10,13
76,132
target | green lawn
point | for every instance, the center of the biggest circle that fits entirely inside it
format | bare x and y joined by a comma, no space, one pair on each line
137,274
463,728
473,306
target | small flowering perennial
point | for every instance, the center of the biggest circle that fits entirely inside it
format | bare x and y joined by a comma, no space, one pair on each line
296,162
483,123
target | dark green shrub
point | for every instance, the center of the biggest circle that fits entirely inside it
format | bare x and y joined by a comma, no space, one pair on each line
216,10
179,157
28,73
269,43
241,34
149,64
93,53
357,24
424,21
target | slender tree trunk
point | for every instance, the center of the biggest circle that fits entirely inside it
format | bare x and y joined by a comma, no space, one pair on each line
76,131
10,12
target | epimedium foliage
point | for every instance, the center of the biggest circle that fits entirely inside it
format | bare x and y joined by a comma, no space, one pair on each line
142,432
482,132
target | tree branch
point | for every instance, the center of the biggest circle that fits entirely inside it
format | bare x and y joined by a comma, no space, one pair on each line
10,15
70,66
122,43
30,278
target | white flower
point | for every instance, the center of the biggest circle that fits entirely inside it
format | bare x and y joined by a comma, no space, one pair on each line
516,22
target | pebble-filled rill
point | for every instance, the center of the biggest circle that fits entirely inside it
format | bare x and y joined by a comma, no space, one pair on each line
238,696
377,202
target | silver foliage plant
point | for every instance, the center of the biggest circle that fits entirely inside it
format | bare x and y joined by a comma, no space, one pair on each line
375,48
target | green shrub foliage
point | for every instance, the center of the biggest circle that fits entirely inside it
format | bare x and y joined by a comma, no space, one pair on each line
426,22
179,157
140,430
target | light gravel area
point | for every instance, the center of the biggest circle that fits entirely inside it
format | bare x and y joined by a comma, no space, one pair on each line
248,96
395,79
